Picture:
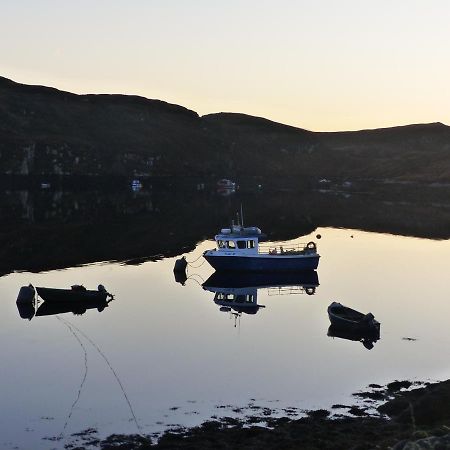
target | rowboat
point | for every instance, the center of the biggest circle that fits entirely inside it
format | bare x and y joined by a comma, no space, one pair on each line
342,317
76,293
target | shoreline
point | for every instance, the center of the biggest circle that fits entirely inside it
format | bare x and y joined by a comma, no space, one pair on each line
409,417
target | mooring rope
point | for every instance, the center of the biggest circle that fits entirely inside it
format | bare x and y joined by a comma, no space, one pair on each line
84,377
192,278
195,260
196,267
113,372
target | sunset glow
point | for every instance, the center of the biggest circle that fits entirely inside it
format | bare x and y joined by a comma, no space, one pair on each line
323,66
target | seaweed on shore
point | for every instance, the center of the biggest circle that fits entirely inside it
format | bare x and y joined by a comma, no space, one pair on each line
418,418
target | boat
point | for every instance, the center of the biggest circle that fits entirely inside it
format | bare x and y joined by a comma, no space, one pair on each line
342,317
136,185
76,293
239,249
226,187
226,184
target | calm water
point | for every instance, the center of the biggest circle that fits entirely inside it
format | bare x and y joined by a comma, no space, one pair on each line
163,354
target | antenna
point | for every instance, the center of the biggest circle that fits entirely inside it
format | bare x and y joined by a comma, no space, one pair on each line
242,216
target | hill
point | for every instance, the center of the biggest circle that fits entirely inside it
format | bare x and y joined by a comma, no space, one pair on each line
44,131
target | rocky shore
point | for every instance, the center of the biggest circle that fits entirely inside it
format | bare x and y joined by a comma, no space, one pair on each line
399,416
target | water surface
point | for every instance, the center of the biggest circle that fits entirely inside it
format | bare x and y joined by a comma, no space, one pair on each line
180,360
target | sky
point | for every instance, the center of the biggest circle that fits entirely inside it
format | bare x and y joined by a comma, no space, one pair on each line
321,65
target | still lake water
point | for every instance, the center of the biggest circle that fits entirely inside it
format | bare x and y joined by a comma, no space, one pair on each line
180,360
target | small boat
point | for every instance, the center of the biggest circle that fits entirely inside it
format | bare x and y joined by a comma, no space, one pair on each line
226,187
136,185
239,249
342,317
226,184
76,293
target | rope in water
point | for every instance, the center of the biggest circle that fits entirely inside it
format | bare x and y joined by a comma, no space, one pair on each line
192,278
84,376
195,260
191,263
112,370
196,267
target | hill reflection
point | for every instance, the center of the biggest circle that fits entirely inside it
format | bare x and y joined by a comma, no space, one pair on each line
45,229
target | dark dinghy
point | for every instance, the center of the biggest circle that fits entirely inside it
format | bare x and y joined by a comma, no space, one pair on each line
344,318
76,293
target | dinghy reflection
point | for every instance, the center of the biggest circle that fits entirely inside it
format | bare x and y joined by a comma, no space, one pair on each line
237,293
78,308
36,309
367,339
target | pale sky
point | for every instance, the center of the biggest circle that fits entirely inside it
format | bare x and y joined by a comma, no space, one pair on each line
321,65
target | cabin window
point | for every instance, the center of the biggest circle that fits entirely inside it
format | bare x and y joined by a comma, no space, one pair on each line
241,244
251,244
221,244
244,298
231,244
224,296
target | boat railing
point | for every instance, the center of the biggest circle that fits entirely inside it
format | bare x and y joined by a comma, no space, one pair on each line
291,290
282,249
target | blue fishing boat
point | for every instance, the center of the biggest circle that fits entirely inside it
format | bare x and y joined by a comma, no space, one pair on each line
239,249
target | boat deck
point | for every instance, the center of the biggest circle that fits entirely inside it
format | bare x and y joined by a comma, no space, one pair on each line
283,250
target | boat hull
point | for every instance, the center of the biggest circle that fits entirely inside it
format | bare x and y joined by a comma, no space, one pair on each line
269,263
70,295
344,318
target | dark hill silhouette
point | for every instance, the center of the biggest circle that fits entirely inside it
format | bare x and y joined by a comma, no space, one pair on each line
44,131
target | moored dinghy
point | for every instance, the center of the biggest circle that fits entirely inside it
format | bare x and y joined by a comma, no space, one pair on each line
77,293
343,317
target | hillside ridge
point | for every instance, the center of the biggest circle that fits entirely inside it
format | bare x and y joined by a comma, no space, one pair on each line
45,131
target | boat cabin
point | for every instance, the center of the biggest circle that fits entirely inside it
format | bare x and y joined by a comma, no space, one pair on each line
238,239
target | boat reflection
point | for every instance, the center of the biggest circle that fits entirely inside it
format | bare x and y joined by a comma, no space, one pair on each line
367,338
77,308
26,310
237,293
36,309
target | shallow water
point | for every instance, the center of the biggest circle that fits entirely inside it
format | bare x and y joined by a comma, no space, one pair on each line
162,354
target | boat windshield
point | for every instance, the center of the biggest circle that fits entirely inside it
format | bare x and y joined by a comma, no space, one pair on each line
242,244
